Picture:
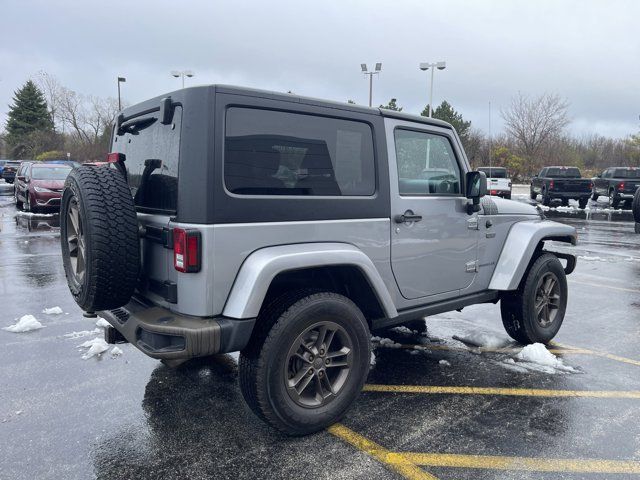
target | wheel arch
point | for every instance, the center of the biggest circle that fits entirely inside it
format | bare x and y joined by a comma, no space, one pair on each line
342,268
523,245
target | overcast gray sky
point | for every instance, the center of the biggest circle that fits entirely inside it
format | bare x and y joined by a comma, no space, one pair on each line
585,50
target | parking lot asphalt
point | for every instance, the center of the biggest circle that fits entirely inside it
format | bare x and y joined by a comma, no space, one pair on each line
433,406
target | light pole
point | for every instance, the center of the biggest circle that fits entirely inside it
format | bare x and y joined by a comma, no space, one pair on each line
184,73
363,66
432,66
120,80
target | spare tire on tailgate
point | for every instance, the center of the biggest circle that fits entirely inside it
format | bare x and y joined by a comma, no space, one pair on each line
99,238
636,206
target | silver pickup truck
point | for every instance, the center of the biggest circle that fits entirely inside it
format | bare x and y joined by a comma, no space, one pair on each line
289,228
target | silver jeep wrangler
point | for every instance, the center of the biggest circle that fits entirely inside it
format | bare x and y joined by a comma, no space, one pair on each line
289,228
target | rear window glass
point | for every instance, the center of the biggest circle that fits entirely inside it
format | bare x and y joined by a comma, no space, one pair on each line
563,172
278,153
626,173
50,173
494,172
152,151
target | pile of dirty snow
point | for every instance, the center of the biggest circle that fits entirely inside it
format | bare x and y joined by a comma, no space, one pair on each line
385,342
483,339
102,323
26,323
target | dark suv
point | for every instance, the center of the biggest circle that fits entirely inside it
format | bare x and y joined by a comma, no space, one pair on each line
289,228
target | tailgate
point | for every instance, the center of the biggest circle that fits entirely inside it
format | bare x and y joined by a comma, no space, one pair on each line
573,185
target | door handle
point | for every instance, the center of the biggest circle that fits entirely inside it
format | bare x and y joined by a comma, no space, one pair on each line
407,217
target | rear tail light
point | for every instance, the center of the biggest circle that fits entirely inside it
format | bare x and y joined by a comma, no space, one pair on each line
591,186
551,185
115,157
621,186
186,250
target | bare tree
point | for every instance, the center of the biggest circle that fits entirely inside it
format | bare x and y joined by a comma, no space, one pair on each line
534,122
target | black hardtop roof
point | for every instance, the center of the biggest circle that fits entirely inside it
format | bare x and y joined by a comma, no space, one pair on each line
287,97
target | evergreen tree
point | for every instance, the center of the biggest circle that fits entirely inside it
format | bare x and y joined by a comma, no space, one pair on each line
28,116
447,113
392,105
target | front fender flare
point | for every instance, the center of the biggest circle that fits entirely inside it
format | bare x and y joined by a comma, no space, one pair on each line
262,266
522,241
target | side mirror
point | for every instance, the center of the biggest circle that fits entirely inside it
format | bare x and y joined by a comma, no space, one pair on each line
476,188
21,177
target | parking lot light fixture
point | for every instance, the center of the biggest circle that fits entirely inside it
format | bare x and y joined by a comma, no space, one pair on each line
182,74
432,66
377,70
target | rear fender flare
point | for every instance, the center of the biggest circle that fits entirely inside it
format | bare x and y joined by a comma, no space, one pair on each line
262,266
520,246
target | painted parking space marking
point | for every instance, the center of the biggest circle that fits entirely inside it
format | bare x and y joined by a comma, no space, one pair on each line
518,392
523,463
610,287
450,348
597,353
398,463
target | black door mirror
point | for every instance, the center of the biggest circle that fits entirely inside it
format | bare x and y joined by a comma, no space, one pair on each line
476,188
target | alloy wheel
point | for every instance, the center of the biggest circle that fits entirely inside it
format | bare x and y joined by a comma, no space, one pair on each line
75,241
547,300
318,364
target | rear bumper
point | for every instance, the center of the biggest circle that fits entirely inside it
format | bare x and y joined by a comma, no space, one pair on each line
569,195
162,334
625,196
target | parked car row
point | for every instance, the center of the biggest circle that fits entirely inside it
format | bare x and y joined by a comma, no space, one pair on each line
38,186
563,183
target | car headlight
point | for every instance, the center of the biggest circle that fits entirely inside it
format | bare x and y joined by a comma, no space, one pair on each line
41,189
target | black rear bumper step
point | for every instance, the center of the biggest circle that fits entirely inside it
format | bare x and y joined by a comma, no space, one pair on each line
163,334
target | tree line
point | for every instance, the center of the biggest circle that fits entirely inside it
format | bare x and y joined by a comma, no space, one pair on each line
535,135
47,120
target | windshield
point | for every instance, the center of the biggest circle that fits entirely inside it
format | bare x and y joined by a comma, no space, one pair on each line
563,173
493,172
626,173
50,173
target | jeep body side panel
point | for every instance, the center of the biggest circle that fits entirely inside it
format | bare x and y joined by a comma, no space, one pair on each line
262,266
519,247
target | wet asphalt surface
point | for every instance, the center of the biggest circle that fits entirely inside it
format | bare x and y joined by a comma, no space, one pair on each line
132,417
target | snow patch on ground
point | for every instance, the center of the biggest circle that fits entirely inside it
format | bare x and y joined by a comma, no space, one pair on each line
372,359
95,347
82,333
444,363
116,352
536,357
27,323
52,311
102,323
385,342
405,330
587,258
483,339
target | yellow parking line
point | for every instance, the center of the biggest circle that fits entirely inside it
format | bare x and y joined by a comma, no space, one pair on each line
447,348
611,287
597,353
518,392
522,463
395,462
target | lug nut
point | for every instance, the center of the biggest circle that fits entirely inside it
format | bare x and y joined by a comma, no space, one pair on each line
321,374
311,357
321,352
327,361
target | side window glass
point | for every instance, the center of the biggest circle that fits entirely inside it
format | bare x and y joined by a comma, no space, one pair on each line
426,164
543,173
280,153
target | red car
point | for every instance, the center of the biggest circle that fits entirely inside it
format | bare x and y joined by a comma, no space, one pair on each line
44,185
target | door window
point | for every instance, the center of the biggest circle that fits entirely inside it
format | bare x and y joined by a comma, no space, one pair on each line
427,164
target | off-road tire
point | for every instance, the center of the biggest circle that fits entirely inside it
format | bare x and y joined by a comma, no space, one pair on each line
110,230
507,196
533,195
262,363
635,206
517,307
565,202
582,203
19,204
